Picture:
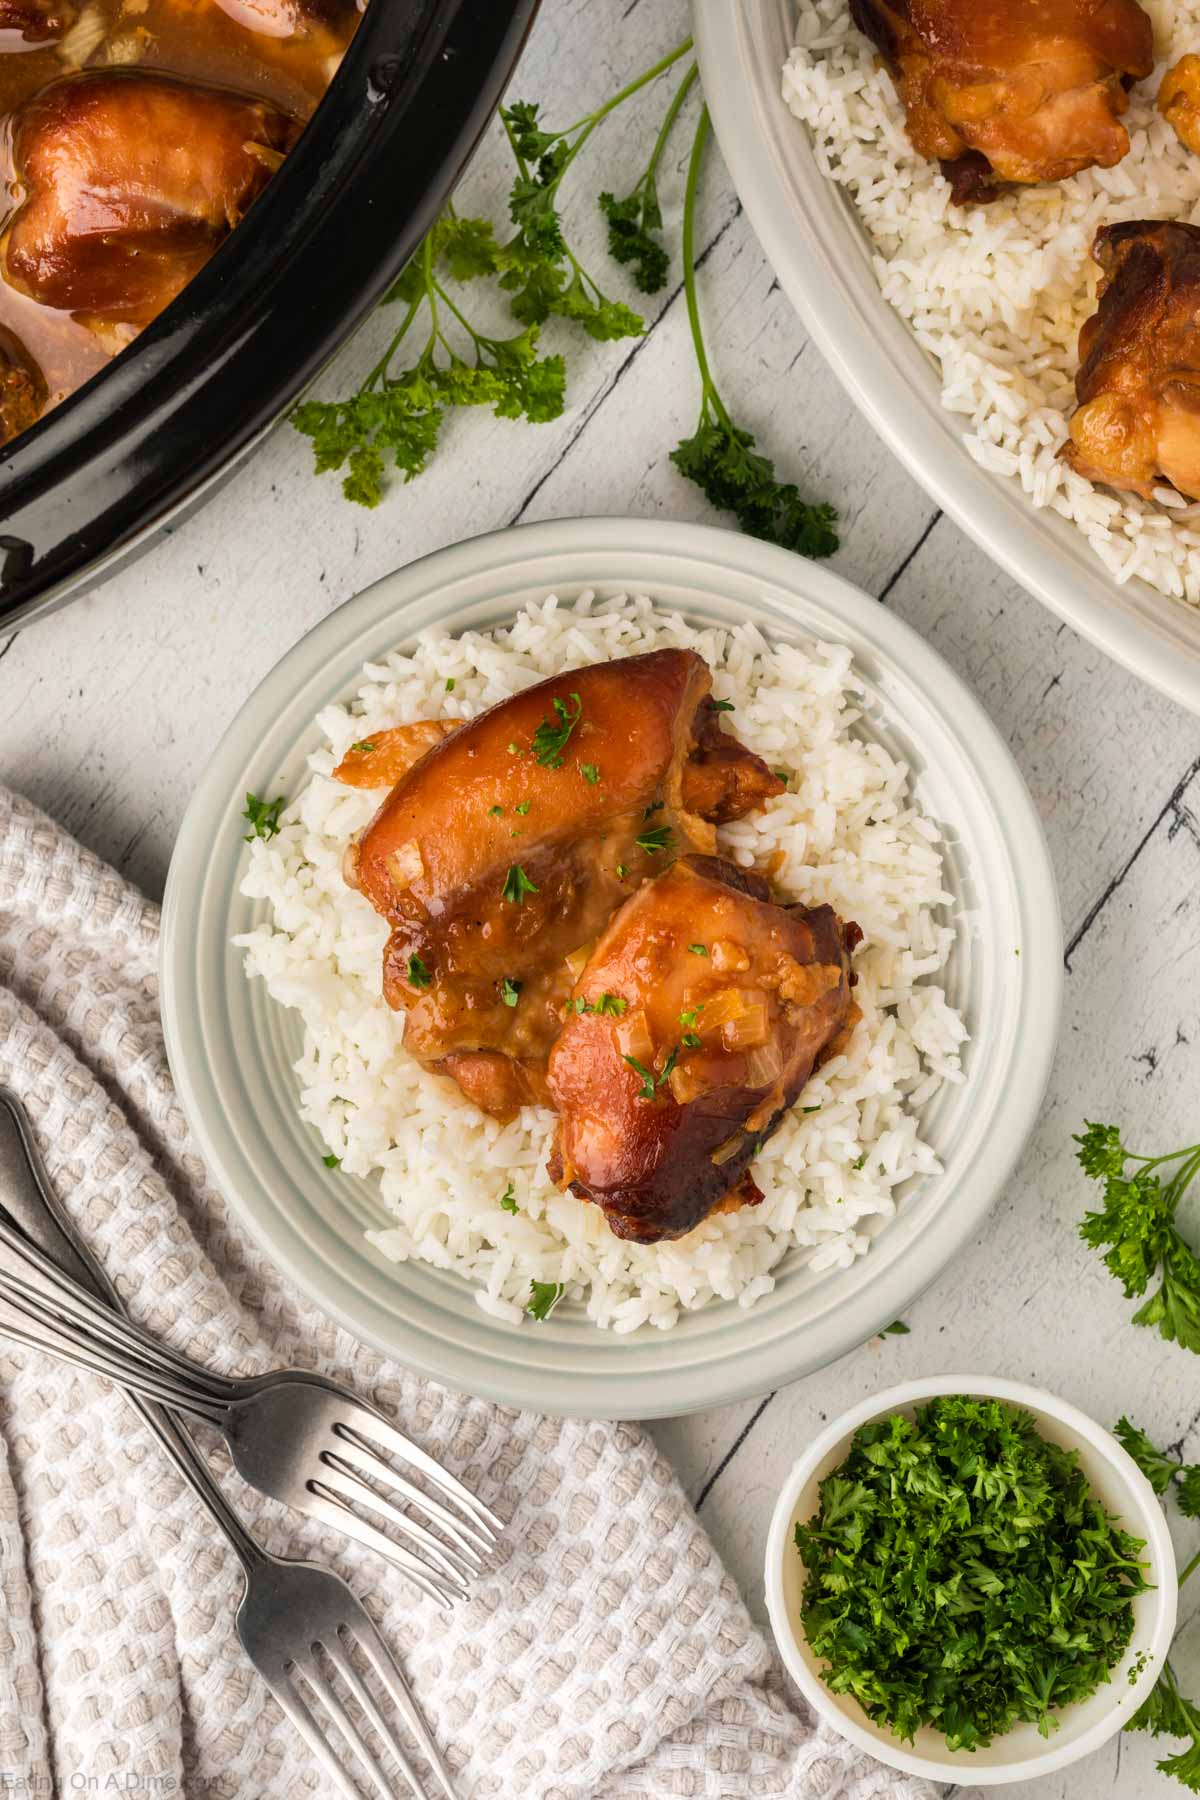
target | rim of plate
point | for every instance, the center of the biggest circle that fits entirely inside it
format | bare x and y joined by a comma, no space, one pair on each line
231,1050
814,242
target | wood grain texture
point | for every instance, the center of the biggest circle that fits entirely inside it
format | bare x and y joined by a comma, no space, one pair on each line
110,709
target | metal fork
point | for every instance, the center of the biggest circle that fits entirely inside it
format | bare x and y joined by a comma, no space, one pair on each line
292,1435
291,1611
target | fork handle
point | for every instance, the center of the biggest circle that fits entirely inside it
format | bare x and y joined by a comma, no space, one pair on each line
29,1199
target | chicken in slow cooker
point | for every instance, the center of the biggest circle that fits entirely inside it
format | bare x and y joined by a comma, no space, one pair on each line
139,133
1012,90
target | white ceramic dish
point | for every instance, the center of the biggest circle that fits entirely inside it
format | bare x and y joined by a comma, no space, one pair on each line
819,251
1022,1754
232,1049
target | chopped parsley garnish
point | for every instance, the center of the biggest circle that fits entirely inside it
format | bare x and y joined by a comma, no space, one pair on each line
331,1161
508,1200
523,808
1136,1229
418,974
859,1161
622,871
647,1077
610,1004
449,684
691,1014
698,949
781,775
510,990
897,1328
691,1040
516,885
960,1574
1160,1468
550,739
544,1296
496,812
363,745
515,750
590,773
810,1109
721,705
262,816
654,806
654,842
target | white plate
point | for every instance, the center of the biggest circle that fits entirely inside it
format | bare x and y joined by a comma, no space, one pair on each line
232,1049
1022,1754
820,252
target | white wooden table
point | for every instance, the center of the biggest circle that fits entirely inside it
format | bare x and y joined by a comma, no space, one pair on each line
109,710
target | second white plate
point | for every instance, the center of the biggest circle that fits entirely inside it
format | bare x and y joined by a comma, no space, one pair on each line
820,253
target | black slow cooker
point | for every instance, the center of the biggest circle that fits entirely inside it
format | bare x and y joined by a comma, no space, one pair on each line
142,441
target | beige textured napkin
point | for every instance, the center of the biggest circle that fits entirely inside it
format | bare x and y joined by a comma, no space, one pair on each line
607,1654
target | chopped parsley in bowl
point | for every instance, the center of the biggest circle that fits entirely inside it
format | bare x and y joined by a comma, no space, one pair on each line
970,1579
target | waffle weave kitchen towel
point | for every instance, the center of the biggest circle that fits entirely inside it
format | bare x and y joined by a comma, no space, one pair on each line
606,1654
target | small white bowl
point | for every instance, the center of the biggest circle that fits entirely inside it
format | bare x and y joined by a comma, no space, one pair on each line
1021,1754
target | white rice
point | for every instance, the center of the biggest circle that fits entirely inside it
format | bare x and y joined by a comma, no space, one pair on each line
996,294
851,835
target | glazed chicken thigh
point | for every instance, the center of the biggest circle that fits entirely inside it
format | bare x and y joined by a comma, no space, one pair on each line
1012,90
698,1019
131,181
505,849
37,21
1138,386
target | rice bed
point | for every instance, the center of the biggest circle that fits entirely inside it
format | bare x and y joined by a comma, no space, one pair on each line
850,834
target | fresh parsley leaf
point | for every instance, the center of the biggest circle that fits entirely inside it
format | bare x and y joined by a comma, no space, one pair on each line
363,745
634,223
1165,1713
516,885
720,456
690,1014
449,684
550,739
590,773
960,1574
510,990
656,841
1158,1468
495,812
612,1004
646,1076
508,1200
544,1296
418,974
331,1161
1135,1227
721,706
897,1328
262,816
698,949
622,871
691,1040
523,807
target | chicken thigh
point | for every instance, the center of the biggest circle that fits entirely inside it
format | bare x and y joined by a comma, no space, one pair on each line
697,1021
36,21
130,183
1012,90
503,852
23,391
1138,386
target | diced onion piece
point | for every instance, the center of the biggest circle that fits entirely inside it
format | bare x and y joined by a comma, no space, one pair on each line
749,1029
578,960
86,35
724,1151
685,1086
129,48
728,957
764,1064
719,1008
405,865
633,1036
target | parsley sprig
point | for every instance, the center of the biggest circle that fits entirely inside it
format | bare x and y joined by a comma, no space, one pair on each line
960,1574
635,221
1165,1712
552,735
720,456
262,816
1136,1229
